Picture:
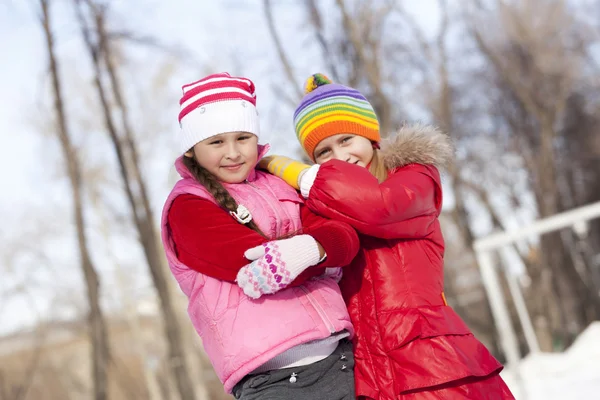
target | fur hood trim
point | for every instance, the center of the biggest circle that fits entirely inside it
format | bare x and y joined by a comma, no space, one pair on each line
417,144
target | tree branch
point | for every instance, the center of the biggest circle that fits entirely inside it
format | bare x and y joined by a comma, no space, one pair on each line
317,23
372,70
287,67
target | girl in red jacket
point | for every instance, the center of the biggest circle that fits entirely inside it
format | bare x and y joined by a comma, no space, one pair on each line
409,343
243,248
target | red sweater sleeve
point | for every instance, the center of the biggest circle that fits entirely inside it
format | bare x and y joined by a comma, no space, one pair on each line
210,241
338,239
404,206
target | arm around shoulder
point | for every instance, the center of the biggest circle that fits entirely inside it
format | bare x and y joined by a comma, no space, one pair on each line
403,206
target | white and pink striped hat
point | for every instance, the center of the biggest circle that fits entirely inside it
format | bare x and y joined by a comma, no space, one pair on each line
219,103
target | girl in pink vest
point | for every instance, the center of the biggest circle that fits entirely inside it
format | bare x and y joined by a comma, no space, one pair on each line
259,269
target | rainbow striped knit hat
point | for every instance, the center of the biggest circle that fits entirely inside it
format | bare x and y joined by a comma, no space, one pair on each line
329,109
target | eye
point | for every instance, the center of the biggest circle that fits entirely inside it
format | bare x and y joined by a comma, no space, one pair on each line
346,139
218,141
245,137
323,153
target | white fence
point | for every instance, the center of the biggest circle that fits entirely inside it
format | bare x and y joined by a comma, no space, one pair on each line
484,249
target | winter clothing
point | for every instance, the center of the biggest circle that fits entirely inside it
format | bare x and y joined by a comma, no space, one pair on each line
276,264
218,103
409,343
329,109
329,379
240,334
286,168
472,387
195,221
303,354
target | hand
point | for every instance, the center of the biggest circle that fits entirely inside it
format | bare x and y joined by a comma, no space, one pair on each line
276,264
284,167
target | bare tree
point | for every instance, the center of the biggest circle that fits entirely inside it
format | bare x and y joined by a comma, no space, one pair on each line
533,96
287,67
365,40
439,97
316,20
359,46
134,185
19,389
98,334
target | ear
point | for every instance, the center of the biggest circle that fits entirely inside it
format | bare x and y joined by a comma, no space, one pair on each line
189,154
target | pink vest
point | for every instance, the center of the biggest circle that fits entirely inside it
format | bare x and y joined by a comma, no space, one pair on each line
240,334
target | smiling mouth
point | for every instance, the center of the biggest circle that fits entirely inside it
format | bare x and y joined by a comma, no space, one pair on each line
232,167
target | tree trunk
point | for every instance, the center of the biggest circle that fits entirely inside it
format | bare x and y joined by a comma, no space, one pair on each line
539,113
287,67
367,55
445,117
136,193
98,333
566,285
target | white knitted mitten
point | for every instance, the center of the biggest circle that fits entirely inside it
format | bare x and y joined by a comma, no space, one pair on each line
307,179
276,264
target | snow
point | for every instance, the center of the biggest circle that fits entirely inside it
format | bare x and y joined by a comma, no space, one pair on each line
574,374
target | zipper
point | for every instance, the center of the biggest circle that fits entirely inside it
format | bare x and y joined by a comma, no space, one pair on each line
319,309
274,209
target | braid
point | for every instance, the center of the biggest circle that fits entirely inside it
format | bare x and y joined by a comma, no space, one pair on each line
216,189
211,184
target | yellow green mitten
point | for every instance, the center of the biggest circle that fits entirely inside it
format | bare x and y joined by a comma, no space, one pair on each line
286,168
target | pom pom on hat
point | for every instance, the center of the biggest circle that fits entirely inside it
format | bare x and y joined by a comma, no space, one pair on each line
315,81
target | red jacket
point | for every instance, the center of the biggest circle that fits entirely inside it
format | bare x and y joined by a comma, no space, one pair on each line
408,340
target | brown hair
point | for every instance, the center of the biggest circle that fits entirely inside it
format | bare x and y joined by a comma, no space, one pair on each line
215,188
377,167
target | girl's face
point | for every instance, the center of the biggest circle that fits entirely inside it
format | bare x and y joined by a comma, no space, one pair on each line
345,147
230,157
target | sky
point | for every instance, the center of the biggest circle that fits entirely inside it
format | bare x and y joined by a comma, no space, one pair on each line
228,35
213,33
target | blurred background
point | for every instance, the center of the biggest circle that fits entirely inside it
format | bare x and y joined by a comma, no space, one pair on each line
88,125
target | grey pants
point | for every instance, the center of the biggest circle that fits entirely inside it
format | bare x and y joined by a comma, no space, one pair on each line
329,379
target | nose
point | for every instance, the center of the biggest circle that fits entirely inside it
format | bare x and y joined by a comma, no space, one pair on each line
340,154
233,153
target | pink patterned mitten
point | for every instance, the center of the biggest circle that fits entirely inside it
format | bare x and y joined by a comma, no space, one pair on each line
276,264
